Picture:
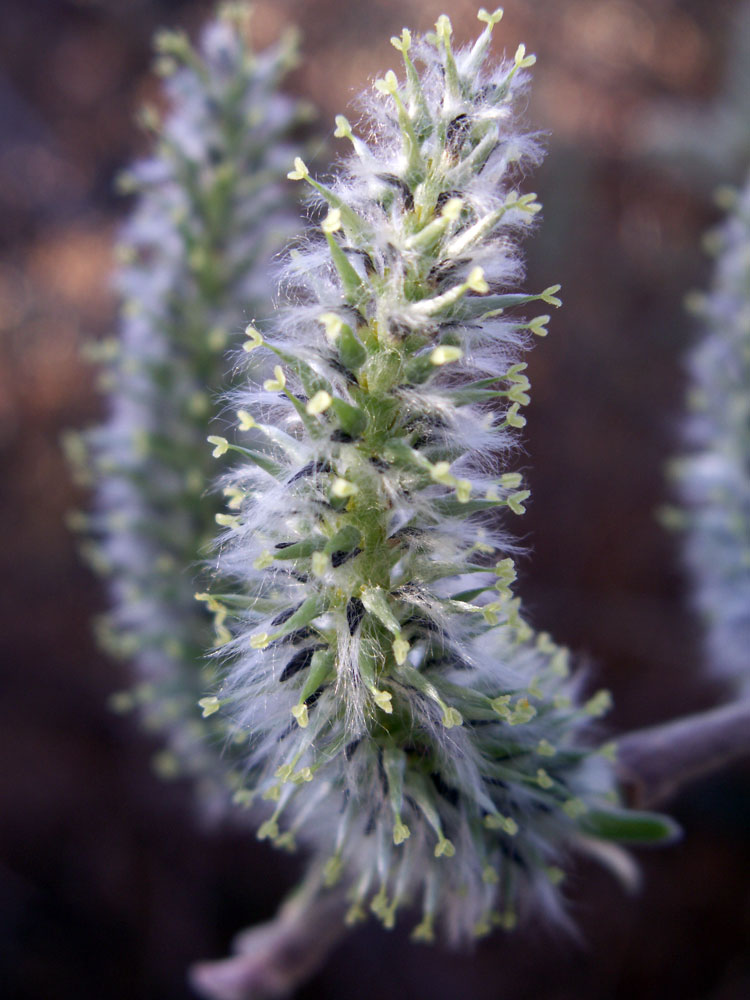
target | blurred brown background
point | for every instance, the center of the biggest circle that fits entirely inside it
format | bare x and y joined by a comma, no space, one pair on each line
107,888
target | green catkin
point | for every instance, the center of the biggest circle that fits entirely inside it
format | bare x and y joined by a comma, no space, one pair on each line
383,669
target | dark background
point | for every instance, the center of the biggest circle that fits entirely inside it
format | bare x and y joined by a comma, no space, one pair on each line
108,889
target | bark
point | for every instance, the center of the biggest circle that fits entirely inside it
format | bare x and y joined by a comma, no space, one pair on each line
655,764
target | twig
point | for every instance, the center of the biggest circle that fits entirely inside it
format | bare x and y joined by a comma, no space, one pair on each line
655,764
276,957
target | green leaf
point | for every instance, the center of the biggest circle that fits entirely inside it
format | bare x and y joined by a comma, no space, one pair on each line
356,229
419,369
477,306
321,667
351,419
345,540
261,460
375,600
354,288
300,550
311,381
450,507
465,397
305,613
629,826
467,596
351,353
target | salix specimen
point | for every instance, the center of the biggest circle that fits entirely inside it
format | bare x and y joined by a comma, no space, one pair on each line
211,211
714,476
400,715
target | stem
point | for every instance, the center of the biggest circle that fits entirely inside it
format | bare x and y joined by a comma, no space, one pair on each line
655,764
275,958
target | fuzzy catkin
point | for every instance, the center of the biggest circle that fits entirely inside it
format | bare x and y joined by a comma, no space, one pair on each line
211,210
714,477
399,715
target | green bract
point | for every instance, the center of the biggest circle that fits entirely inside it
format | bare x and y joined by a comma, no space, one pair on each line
399,714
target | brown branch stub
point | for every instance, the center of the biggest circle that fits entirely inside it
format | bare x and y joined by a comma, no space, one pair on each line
276,957
655,764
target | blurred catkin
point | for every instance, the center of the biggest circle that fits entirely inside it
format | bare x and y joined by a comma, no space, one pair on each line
211,210
714,476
